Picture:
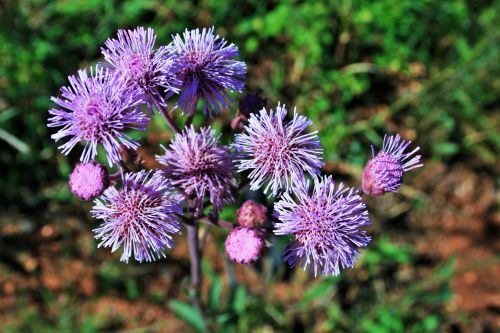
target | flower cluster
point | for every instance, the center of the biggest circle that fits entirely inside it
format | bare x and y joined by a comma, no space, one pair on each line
200,172
97,109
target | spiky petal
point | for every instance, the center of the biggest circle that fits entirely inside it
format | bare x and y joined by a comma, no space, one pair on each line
207,67
97,109
140,216
198,166
277,152
133,57
384,172
326,223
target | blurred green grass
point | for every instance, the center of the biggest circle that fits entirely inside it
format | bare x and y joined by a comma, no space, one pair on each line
358,69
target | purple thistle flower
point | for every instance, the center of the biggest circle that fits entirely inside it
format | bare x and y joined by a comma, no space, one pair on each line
244,245
140,216
277,152
205,64
384,172
326,224
88,180
97,109
198,166
133,57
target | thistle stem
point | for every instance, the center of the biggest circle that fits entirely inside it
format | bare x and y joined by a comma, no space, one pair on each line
204,238
220,223
195,257
169,120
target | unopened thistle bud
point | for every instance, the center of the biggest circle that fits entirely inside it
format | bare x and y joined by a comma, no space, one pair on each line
244,245
251,214
88,180
384,172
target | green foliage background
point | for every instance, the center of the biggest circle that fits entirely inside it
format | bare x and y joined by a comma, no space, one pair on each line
358,69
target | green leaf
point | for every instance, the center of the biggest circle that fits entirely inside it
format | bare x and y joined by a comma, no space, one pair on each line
215,293
239,299
439,297
14,142
223,318
431,323
189,314
251,44
318,290
7,114
446,271
132,290
446,148
394,252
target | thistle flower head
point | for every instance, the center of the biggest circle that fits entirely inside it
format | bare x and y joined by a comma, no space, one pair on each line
88,180
326,224
139,216
251,214
133,57
198,166
97,109
244,245
384,172
207,67
277,152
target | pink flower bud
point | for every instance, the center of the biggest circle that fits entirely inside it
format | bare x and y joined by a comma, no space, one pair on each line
244,245
88,180
251,214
